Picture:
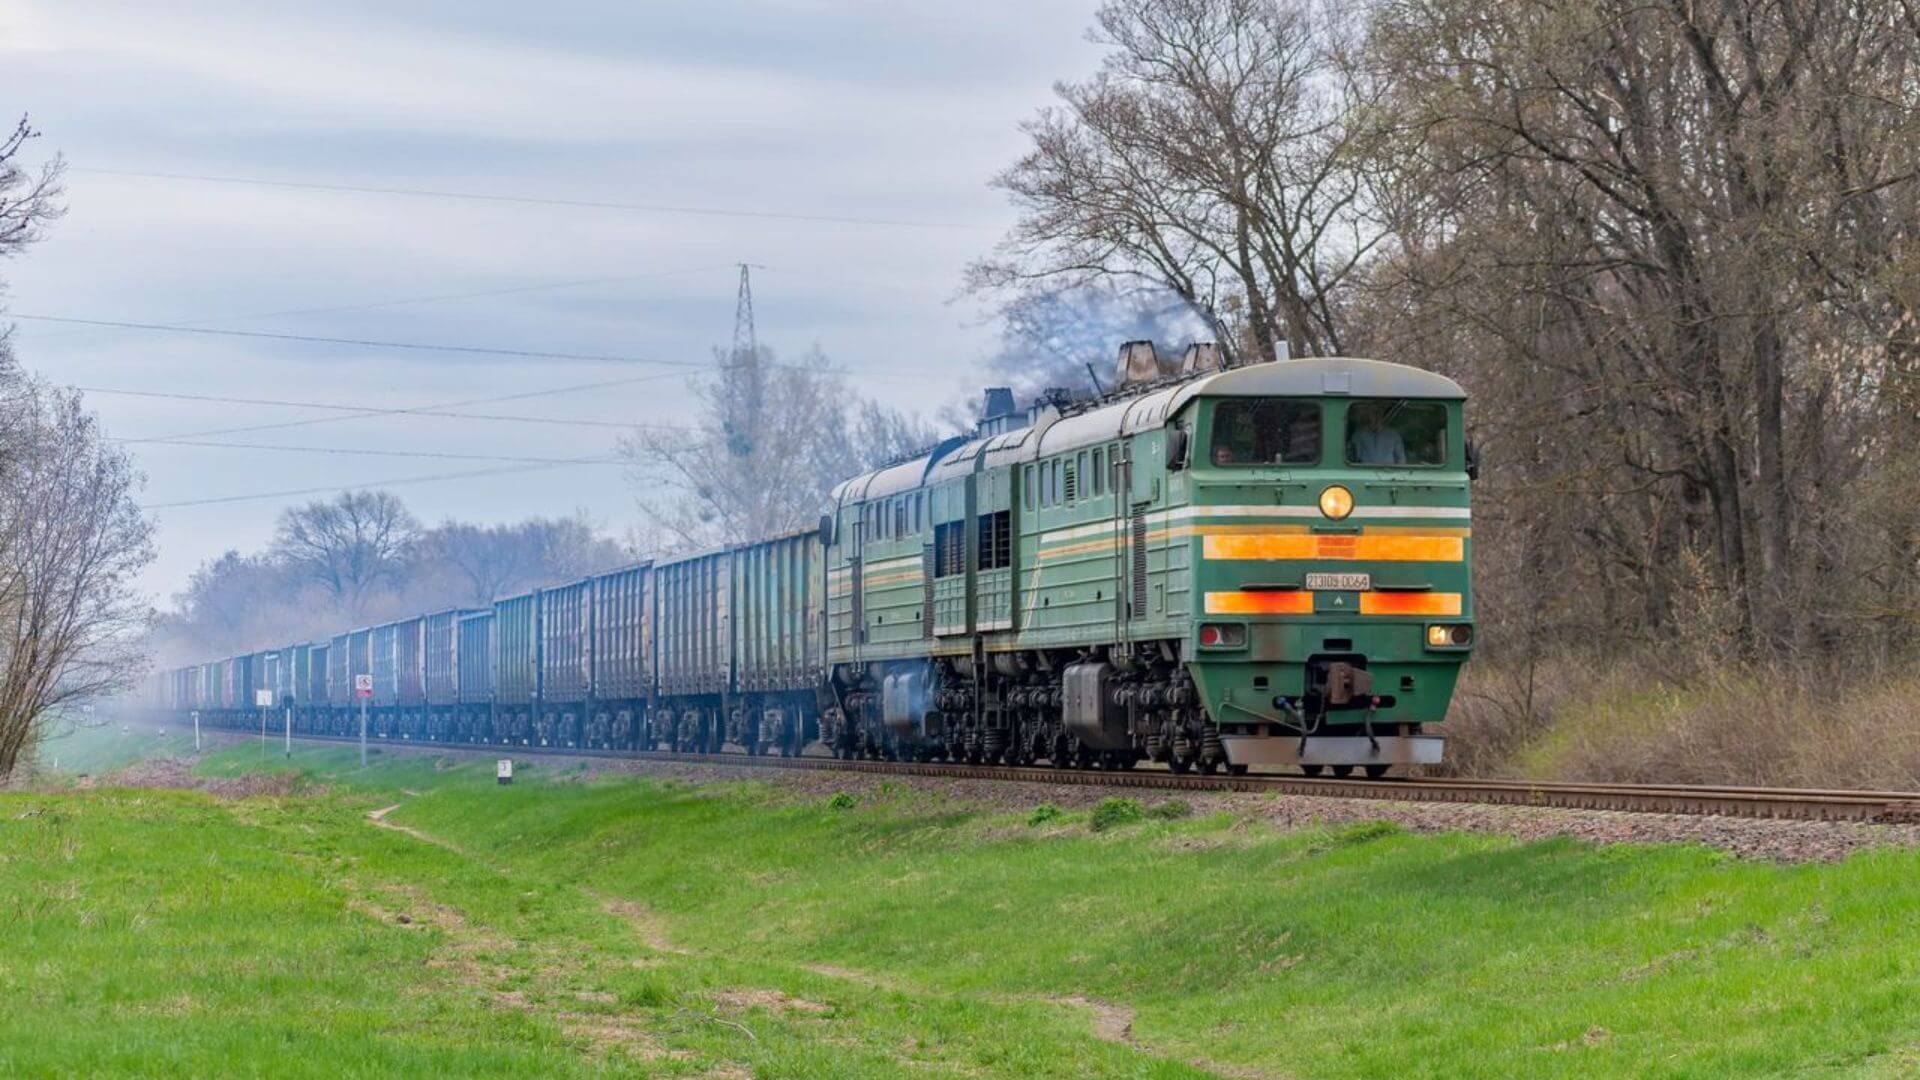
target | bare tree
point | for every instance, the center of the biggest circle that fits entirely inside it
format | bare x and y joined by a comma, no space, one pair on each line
71,541
29,199
236,603
496,560
1213,157
771,441
1680,237
350,545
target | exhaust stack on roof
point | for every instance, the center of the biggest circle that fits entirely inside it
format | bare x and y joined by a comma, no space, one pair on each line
1201,357
1138,363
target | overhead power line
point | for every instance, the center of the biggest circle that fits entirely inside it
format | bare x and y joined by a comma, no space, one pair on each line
394,482
534,200
405,301
364,411
358,452
480,350
421,346
422,408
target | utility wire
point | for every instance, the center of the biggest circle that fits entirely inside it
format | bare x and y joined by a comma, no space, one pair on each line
437,298
357,452
531,200
364,411
426,346
395,482
418,409
482,350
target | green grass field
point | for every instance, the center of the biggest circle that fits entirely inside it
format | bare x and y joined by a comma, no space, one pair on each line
562,927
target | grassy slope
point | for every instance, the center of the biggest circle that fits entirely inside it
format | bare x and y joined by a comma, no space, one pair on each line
169,932
99,747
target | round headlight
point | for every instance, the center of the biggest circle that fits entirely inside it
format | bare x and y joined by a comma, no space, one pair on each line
1336,502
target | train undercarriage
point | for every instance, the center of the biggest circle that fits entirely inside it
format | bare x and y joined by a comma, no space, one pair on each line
1100,708
1080,709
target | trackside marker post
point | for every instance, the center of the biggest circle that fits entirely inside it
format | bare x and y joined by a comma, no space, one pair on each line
263,700
504,770
363,689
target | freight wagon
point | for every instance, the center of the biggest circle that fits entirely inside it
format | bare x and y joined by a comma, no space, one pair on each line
473,711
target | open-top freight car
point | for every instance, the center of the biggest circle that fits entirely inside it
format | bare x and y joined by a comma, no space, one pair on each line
622,656
440,671
516,671
778,625
397,659
1208,568
473,711
312,707
566,656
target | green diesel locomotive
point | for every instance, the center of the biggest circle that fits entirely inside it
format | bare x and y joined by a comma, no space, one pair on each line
1260,565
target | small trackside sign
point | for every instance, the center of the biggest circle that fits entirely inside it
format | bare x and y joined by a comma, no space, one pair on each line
363,686
263,699
504,770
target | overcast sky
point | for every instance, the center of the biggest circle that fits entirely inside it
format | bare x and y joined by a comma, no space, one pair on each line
894,112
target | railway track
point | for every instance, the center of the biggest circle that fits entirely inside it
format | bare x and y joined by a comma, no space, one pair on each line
1880,807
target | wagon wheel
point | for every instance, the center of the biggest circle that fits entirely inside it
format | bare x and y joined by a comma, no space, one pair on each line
1375,772
1343,771
1312,770
1236,770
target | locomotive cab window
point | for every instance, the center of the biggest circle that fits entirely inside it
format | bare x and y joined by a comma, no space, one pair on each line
1265,431
1395,432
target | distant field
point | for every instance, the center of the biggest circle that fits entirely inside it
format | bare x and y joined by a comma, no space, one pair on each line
569,927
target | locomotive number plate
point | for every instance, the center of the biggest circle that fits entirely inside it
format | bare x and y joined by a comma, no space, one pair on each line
1339,582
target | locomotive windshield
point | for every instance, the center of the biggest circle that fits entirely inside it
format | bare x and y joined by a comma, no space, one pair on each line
1397,432
1266,431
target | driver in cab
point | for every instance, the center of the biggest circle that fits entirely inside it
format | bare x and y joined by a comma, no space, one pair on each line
1372,442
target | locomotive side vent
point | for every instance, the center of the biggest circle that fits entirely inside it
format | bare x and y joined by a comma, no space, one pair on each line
926,591
1139,605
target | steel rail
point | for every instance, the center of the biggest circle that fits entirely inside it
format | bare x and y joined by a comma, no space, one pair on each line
1880,807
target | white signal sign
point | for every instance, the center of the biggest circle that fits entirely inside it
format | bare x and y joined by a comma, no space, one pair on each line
263,699
363,685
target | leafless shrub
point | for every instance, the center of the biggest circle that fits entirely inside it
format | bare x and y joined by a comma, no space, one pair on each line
71,541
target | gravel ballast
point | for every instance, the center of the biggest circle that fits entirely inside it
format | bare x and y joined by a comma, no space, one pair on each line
1784,841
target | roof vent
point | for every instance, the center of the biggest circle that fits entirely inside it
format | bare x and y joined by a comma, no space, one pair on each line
998,414
1201,357
1138,363
999,403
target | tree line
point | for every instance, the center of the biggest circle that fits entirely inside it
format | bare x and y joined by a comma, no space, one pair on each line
1668,247
362,557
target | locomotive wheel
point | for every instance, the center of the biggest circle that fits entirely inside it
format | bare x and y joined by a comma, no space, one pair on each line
1343,771
1179,765
1313,770
1236,770
1375,772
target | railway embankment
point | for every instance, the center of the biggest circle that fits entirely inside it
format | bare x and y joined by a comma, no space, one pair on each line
417,917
